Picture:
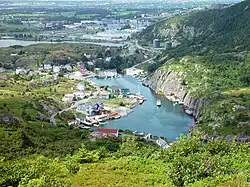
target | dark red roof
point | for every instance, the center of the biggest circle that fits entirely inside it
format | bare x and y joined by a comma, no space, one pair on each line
107,131
82,70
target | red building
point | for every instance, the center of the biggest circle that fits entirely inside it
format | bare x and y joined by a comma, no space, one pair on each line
114,132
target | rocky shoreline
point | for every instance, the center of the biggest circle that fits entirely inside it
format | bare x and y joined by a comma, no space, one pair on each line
171,86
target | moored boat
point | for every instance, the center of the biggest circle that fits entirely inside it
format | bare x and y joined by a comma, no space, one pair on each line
158,102
102,123
141,101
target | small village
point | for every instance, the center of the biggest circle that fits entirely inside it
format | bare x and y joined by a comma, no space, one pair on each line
94,105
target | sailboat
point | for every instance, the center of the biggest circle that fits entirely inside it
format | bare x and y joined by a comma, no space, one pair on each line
158,103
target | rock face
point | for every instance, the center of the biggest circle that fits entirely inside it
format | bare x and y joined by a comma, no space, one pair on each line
173,87
176,33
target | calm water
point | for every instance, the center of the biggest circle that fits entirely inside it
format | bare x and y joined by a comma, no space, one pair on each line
11,42
168,120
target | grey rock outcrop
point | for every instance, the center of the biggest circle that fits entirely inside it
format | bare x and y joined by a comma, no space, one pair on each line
172,86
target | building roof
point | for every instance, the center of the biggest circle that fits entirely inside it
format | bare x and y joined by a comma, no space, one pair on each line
107,131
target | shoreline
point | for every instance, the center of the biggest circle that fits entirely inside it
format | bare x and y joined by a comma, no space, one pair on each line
184,107
104,43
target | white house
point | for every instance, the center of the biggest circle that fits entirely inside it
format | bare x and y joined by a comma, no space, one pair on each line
68,98
47,67
104,94
108,59
162,143
81,87
56,69
21,71
78,74
68,67
110,73
79,95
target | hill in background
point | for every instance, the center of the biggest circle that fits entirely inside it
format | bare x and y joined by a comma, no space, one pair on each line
220,30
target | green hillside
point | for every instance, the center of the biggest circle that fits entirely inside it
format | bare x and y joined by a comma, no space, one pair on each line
212,59
32,156
222,30
224,81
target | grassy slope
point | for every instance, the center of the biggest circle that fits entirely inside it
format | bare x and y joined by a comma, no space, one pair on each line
219,79
129,162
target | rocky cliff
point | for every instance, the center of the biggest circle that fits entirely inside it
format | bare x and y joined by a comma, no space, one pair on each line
172,86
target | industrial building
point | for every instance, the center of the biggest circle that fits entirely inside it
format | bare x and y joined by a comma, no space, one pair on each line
156,43
168,45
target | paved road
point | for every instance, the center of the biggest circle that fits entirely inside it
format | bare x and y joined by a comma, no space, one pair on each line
146,61
74,105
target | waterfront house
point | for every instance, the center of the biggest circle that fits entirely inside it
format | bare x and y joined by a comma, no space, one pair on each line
133,71
162,143
84,72
124,91
110,73
114,89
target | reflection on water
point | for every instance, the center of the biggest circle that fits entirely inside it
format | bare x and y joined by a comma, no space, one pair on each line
168,120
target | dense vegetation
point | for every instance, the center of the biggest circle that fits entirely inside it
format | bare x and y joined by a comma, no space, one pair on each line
35,155
223,80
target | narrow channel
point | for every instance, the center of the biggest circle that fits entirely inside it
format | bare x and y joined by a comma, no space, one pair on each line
168,121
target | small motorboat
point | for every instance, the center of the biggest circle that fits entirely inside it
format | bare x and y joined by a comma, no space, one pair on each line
158,103
141,101
102,123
